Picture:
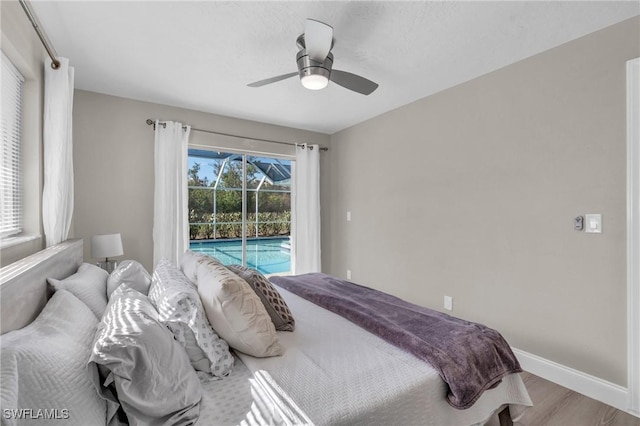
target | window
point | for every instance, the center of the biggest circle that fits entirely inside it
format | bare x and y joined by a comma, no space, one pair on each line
11,129
240,209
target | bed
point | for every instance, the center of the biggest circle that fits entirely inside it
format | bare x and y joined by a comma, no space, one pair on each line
328,371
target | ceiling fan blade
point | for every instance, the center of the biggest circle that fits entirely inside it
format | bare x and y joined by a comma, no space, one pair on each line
353,82
318,38
272,80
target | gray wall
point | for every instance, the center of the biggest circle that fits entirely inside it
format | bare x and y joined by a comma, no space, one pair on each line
114,166
471,193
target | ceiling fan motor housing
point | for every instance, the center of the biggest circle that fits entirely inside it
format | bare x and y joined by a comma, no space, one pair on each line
307,66
315,62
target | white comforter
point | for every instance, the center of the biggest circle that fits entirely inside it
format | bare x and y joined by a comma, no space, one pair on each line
333,372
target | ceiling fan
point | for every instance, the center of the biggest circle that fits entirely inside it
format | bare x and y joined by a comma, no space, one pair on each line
315,62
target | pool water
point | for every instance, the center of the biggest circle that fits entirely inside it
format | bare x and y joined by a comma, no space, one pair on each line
267,255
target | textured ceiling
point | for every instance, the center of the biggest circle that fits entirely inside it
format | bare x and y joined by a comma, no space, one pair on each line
201,55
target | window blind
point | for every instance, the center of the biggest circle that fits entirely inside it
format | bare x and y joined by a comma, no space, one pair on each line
11,128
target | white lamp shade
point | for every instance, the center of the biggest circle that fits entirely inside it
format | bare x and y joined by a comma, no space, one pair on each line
104,246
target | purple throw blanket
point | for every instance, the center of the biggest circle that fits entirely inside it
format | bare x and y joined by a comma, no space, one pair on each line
470,357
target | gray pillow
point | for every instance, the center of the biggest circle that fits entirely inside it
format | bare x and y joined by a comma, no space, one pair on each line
275,305
132,273
150,371
44,365
89,285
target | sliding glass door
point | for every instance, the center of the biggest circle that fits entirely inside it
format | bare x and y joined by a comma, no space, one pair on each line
240,209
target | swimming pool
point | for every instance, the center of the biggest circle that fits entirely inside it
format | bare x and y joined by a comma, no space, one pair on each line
267,255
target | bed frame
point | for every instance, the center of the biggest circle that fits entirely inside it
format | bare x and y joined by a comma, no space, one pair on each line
23,284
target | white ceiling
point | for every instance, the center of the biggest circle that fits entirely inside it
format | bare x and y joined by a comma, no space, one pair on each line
202,55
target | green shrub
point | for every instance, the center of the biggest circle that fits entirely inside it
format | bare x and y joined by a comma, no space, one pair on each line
229,225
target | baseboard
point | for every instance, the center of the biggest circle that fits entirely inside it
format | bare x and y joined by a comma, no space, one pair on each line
591,386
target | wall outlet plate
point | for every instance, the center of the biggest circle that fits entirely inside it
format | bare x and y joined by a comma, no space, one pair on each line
448,303
593,223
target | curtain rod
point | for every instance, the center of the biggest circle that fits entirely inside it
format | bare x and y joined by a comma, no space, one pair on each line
55,64
151,122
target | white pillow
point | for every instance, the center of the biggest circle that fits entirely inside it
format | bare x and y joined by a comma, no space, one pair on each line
89,284
44,365
154,381
180,309
235,311
189,264
132,273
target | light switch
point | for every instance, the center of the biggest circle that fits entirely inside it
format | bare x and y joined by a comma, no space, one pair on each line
593,223
348,216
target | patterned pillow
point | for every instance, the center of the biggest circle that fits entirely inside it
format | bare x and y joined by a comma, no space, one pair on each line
235,311
274,303
44,366
154,383
180,309
89,284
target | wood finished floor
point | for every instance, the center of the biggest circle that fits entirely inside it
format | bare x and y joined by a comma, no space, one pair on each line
559,406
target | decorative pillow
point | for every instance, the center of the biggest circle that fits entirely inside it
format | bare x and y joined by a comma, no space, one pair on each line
89,284
132,273
236,312
189,264
180,309
153,379
275,305
44,366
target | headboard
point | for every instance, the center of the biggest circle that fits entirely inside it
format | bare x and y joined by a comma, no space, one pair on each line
23,284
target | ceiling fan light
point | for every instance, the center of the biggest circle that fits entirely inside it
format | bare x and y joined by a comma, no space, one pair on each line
314,81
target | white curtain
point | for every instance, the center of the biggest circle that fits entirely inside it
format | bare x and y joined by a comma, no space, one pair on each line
306,217
170,224
57,196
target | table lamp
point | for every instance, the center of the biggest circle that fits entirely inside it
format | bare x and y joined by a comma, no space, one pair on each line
106,246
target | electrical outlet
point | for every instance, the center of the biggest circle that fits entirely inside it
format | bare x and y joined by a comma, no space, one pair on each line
348,274
448,303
